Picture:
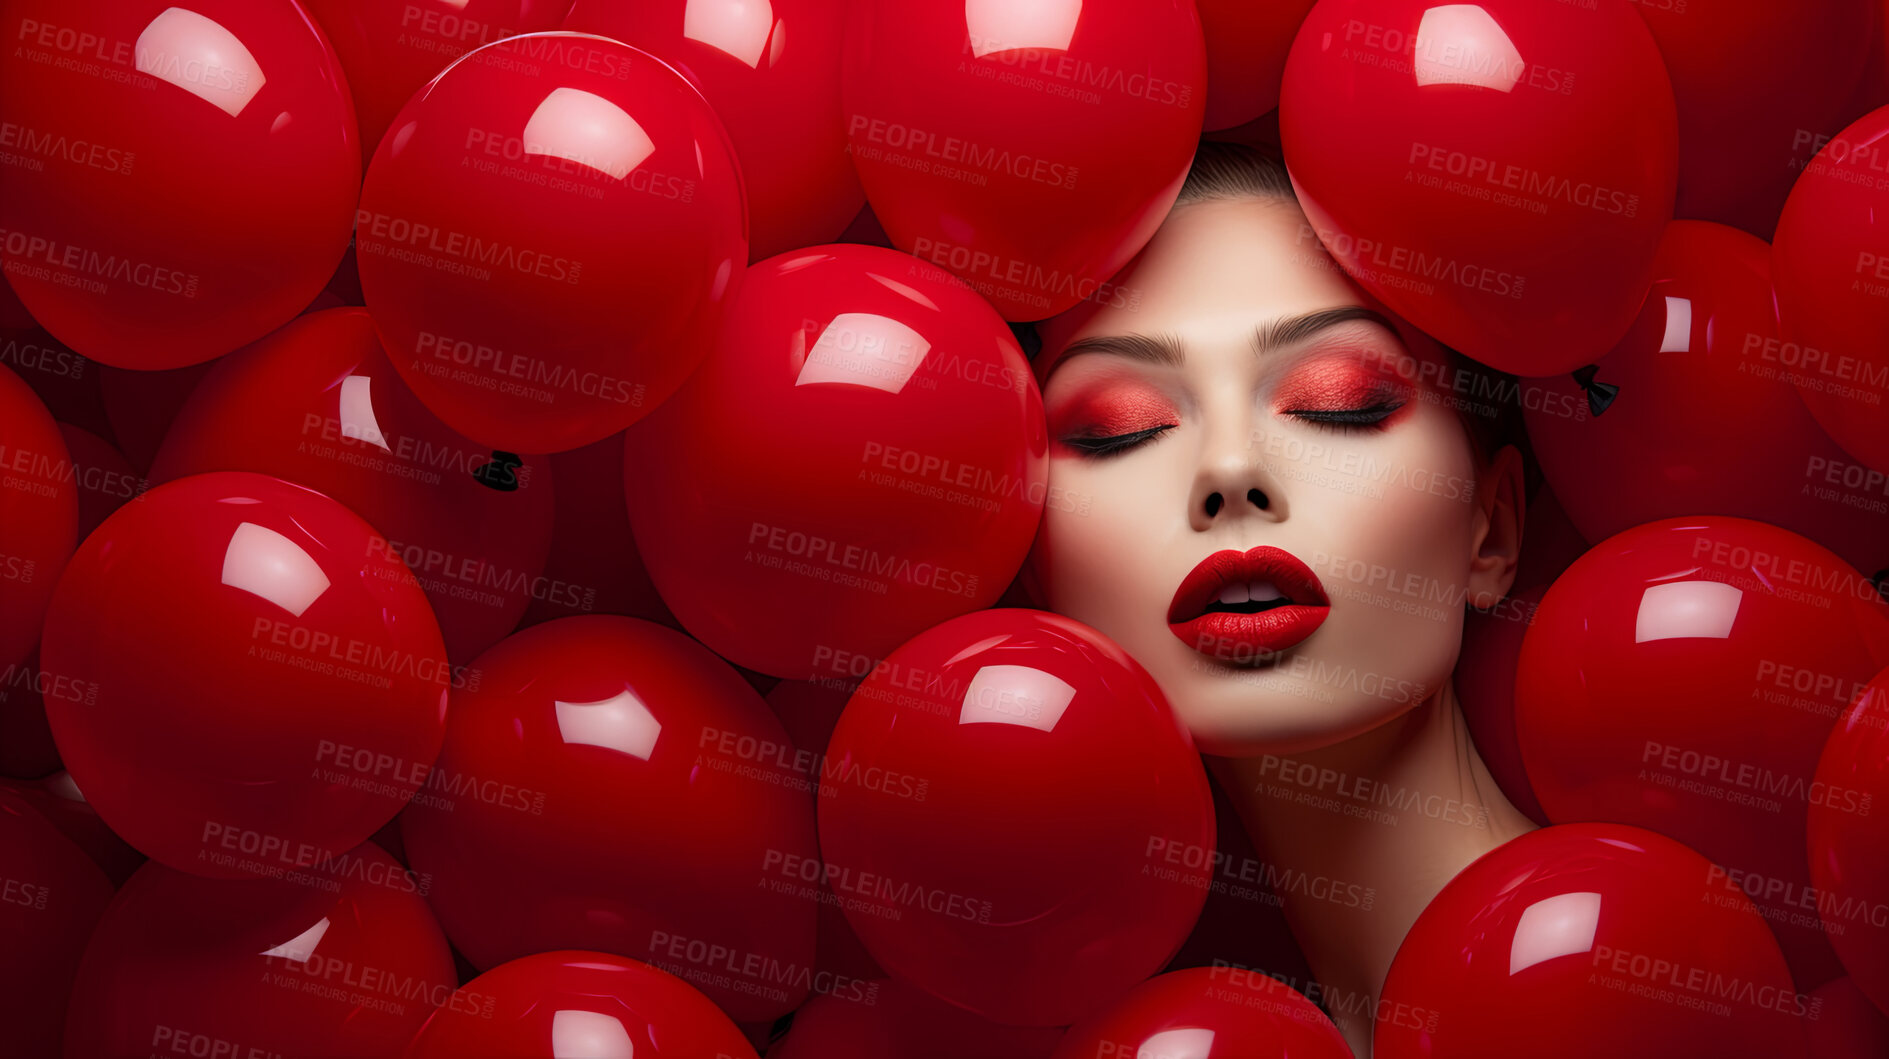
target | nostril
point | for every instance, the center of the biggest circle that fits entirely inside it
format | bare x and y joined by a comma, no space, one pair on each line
1258,499
1213,504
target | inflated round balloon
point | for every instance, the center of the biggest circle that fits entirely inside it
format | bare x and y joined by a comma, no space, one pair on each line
1584,940
1683,676
862,457
1849,843
1688,394
1832,279
1202,1013
105,479
544,234
61,802
51,895
337,959
39,515
1843,1024
1246,55
611,785
318,404
142,405
389,48
1032,149
570,1003
192,172
772,73
889,1018
593,567
996,794
1498,174
1753,79
263,683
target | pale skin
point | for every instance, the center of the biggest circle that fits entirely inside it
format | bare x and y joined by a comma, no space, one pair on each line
1346,754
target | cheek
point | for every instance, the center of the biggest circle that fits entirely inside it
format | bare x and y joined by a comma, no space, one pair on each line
1098,556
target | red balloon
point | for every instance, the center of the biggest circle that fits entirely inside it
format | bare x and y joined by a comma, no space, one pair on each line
105,479
1222,1013
1498,174
862,457
541,235
609,784
1832,298
340,959
1246,55
263,682
1683,676
1032,149
1686,395
1849,844
1584,940
54,895
889,1018
192,177
389,48
142,405
996,795
593,567
318,404
59,800
1751,79
569,1003
1485,687
771,70
39,515
1843,1024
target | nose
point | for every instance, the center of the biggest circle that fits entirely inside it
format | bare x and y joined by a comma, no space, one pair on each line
1233,483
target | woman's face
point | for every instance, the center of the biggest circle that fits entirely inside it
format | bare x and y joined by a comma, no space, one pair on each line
1266,497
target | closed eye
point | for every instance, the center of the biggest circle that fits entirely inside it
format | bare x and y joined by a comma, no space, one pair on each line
1115,443
1346,418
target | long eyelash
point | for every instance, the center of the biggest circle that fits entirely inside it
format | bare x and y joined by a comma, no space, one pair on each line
1109,446
1347,418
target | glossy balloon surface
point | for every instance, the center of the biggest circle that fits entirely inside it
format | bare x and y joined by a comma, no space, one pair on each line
772,73
152,228
341,959
1833,290
862,457
1498,173
1209,1013
1690,394
1006,783
542,235
1683,676
1848,843
1585,940
659,786
51,896
569,1003
258,683
1031,149
39,515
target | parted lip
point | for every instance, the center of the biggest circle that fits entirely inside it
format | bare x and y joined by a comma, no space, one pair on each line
1203,585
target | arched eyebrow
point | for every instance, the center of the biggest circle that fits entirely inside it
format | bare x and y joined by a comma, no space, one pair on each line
1166,349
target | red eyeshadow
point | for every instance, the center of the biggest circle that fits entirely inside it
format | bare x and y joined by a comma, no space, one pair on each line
1338,383
1104,411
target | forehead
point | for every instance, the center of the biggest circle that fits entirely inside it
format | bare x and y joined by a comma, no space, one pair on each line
1213,271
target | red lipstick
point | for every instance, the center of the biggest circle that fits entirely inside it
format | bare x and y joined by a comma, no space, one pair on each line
1247,607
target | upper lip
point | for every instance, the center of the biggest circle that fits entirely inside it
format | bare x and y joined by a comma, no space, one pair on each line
1204,583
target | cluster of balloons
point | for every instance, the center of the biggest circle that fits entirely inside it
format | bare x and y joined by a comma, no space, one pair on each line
513,553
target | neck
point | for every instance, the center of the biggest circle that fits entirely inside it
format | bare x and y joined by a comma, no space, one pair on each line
1391,815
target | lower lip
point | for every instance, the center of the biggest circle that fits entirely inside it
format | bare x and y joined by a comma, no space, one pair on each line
1243,639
